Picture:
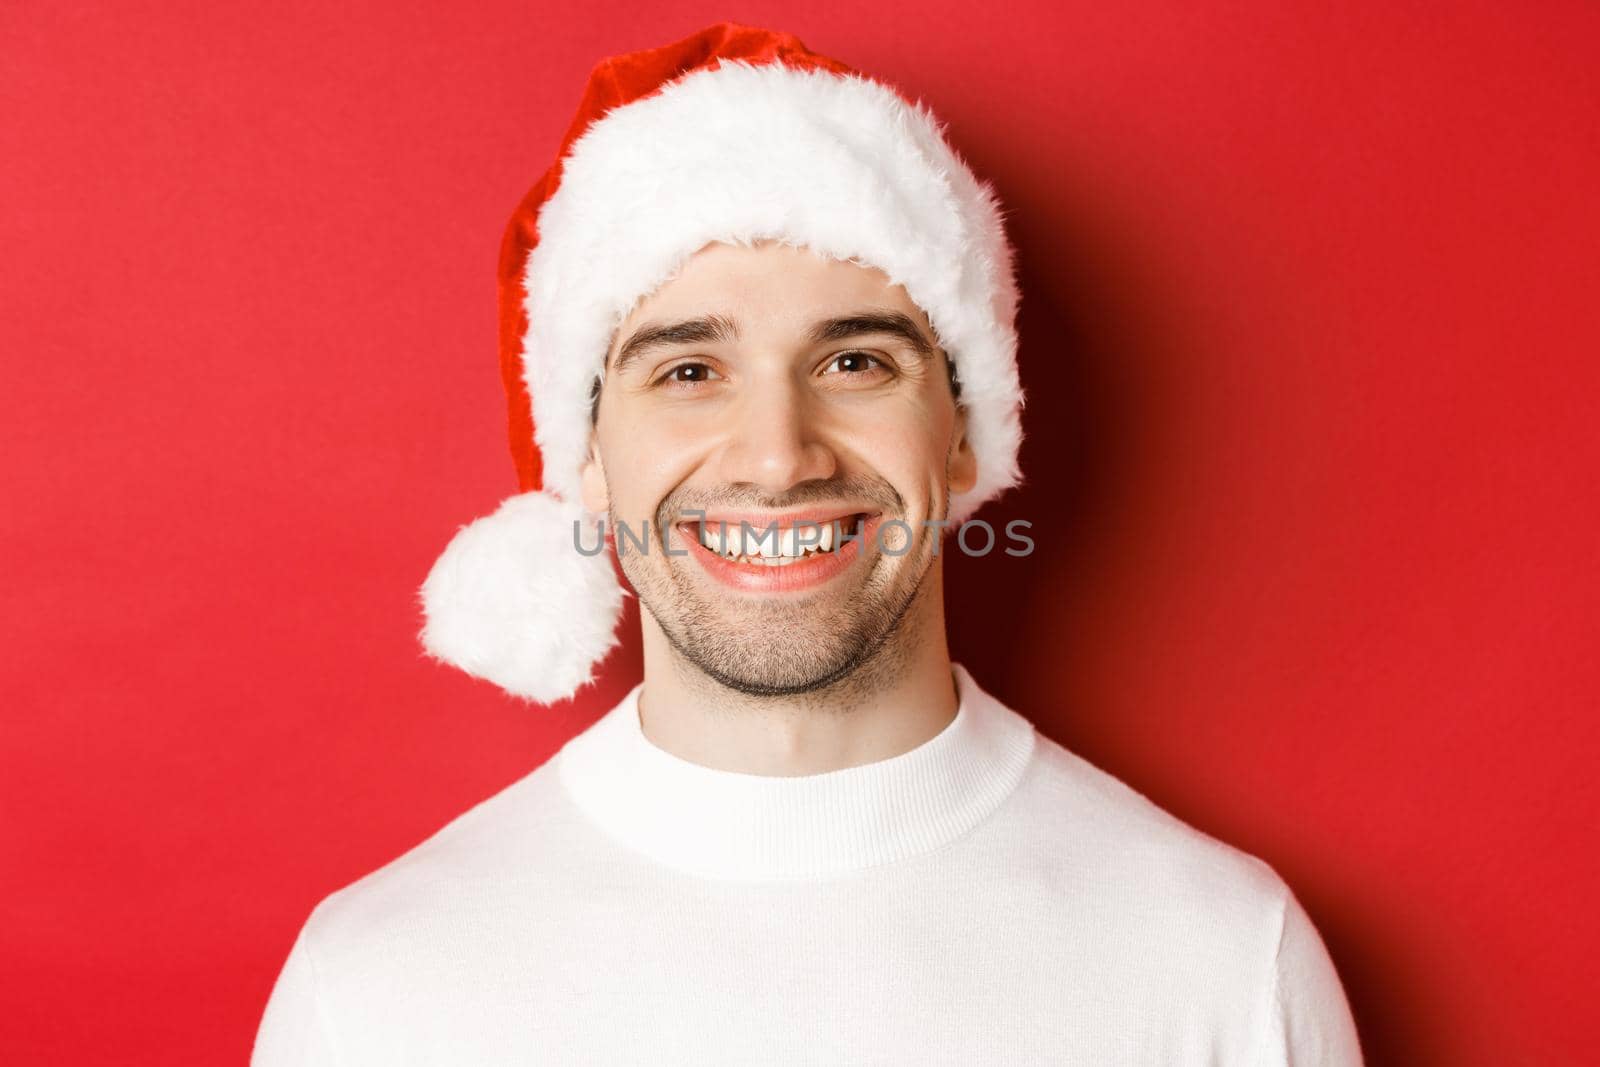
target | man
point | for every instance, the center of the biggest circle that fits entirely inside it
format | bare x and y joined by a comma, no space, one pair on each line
758,320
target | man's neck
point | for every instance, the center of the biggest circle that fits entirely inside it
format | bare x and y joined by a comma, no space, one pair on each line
900,699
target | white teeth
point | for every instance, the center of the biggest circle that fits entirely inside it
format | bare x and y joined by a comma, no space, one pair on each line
721,538
769,547
811,539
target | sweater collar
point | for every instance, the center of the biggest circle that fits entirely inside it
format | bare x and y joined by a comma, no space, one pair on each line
749,827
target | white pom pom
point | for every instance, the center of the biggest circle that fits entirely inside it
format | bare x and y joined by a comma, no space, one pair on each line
513,601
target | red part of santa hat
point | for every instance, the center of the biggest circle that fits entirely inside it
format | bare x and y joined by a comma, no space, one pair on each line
733,134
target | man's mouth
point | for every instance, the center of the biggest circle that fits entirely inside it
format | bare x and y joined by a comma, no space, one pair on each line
775,542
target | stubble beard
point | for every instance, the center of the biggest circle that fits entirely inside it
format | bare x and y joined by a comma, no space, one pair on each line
788,646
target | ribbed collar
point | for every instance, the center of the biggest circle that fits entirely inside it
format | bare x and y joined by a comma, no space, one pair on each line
729,825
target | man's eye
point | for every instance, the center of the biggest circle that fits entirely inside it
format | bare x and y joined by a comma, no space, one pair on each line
688,374
853,363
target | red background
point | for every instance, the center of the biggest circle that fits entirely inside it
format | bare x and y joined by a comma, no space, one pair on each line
1309,329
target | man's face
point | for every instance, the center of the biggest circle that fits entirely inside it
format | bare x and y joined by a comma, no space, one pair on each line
771,385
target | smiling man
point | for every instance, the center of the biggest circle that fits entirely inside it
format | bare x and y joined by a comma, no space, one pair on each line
758,328
772,410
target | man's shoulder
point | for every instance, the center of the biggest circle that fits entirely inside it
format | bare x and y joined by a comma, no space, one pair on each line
506,846
1163,913
1090,825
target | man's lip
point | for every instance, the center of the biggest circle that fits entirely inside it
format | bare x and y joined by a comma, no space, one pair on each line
813,572
784,520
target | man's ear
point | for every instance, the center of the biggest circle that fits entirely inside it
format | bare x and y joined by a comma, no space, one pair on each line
596,497
961,469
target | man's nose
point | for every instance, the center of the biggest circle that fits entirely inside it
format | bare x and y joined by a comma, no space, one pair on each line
773,441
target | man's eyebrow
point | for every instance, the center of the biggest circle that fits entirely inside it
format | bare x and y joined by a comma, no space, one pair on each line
719,329
865,322
711,329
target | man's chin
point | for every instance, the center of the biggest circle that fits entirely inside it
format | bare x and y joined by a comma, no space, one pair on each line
759,670
756,643
776,644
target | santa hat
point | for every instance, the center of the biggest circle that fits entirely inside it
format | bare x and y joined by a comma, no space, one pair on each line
733,134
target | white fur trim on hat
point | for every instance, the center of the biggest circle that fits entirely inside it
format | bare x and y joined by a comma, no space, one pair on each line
838,163
512,600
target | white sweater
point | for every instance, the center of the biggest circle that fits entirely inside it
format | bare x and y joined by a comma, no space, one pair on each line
986,898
